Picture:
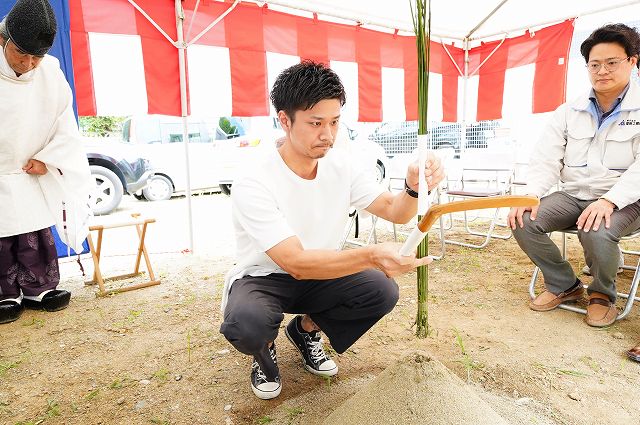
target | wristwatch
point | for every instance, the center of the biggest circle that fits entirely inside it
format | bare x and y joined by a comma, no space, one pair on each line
409,191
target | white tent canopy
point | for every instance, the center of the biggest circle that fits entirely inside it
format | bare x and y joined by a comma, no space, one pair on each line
456,19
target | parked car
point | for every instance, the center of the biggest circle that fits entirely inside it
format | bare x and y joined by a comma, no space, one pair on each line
159,138
238,154
402,137
213,150
219,149
240,141
117,169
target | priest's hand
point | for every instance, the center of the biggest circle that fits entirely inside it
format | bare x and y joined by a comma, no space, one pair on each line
36,167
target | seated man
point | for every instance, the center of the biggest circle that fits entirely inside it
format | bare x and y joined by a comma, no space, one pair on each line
592,147
289,216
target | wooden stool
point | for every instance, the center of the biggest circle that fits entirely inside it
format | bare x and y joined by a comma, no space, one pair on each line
141,227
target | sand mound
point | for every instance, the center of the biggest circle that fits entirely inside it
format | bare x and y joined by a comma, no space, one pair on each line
415,390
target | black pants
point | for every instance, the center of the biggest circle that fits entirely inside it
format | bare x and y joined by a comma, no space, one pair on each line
344,308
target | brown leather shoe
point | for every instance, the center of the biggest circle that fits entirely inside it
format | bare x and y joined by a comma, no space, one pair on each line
634,353
600,311
548,301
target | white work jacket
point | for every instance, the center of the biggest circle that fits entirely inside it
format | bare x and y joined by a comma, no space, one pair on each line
590,162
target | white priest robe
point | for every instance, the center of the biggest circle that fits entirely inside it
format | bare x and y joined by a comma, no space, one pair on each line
37,121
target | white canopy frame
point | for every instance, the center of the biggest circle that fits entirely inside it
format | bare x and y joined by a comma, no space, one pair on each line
360,18
182,46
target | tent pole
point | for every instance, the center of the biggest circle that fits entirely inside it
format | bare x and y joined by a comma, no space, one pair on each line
151,21
606,8
485,19
193,19
489,56
182,51
463,127
213,24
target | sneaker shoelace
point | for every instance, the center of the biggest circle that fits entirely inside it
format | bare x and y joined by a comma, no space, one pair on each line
261,377
316,349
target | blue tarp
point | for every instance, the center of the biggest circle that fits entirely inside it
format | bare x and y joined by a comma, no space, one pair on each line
63,250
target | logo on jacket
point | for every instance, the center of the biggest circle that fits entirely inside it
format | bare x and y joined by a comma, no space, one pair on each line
630,122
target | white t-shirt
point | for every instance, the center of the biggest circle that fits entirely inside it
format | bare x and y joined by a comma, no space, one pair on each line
272,203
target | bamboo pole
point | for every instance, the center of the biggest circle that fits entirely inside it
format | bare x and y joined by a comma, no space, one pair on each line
421,16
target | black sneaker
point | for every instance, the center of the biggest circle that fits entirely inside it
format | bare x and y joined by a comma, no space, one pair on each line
265,387
314,359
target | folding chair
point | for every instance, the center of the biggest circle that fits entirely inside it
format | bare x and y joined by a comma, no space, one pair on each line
630,296
485,173
141,228
355,218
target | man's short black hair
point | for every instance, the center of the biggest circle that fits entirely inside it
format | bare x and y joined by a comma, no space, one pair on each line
302,86
621,34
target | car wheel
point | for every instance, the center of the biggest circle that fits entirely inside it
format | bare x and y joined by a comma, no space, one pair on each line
159,188
226,189
108,191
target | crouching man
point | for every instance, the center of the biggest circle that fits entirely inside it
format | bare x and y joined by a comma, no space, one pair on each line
289,216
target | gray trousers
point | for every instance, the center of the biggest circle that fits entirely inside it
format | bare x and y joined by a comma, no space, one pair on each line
344,308
560,211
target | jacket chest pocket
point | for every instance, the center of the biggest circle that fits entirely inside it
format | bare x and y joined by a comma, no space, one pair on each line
619,151
575,154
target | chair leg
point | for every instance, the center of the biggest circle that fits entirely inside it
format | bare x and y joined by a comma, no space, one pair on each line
95,255
371,237
492,228
345,237
471,245
143,248
487,236
372,233
631,297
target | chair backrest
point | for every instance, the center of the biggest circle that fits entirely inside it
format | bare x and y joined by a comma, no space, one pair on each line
488,158
485,169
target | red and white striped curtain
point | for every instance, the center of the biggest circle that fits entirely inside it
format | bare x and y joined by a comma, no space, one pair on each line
123,65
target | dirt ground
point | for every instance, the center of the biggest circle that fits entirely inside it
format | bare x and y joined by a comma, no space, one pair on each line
154,356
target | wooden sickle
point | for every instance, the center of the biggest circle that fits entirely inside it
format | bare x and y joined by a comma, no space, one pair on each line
438,210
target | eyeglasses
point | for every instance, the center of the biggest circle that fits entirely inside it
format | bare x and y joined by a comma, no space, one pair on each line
610,65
